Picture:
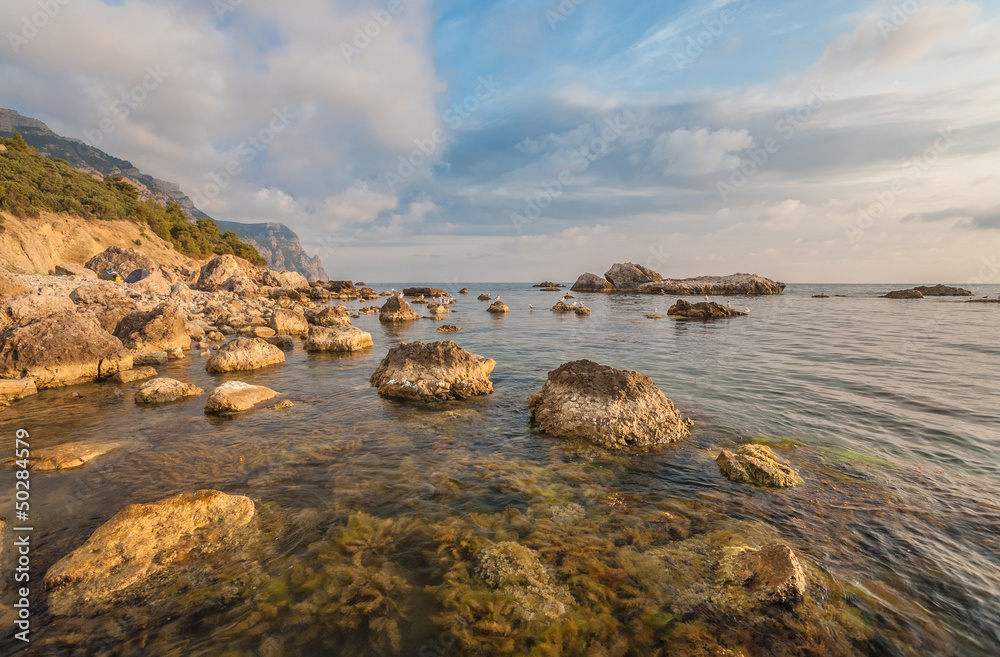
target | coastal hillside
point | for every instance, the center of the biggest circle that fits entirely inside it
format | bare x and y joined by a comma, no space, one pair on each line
275,242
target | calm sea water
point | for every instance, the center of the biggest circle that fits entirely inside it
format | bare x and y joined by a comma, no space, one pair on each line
889,409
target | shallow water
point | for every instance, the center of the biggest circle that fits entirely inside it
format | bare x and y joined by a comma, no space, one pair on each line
887,408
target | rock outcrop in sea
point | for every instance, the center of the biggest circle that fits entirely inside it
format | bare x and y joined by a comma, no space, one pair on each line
610,407
396,309
703,310
904,294
632,278
236,397
437,371
756,465
338,339
244,354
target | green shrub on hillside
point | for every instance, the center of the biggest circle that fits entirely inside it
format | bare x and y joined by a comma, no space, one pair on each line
30,184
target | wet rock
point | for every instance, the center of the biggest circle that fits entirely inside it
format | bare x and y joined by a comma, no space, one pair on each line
940,290
484,297
703,310
69,269
68,456
773,573
163,390
424,292
106,301
437,371
340,339
290,279
137,374
821,296
147,358
329,316
237,396
498,308
464,290
519,575
562,307
288,322
396,309
11,389
215,336
120,259
732,285
283,342
282,405
448,328
244,354
23,310
66,348
756,465
143,542
904,294
610,407
438,308
627,277
11,286
581,310
161,329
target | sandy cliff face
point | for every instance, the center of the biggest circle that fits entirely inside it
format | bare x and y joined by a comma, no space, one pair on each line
37,245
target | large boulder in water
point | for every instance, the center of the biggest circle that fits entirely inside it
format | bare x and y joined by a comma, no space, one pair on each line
339,339
592,283
629,276
163,328
424,292
105,301
66,348
610,407
703,310
163,390
756,465
498,308
942,291
244,354
236,397
397,310
732,285
120,259
437,371
145,542
904,294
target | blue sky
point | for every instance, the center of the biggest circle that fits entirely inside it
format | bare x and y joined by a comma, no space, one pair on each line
808,142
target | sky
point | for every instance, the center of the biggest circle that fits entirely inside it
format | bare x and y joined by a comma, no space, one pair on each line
520,140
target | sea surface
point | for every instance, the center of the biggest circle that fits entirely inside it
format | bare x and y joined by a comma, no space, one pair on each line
888,409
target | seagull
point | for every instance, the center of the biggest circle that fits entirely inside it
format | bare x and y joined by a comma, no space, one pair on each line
531,307
706,298
747,311
498,297
729,305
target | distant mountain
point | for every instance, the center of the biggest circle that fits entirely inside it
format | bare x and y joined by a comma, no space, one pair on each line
276,242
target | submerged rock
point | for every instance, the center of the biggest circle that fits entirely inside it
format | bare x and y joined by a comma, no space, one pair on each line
592,283
237,396
137,374
396,309
437,371
498,308
756,464
69,455
517,573
162,390
340,339
448,328
703,310
163,328
773,573
610,407
288,322
244,354
904,294
142,542
66,348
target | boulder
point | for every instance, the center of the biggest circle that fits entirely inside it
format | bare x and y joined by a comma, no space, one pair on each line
155,283
120,259
773,573
904,294
194,330
163,390
627,277
163,328
11,389
23,310
244,354
329,316
66,348
517,573
610,407
141,542
69,269
562,307
448,328
181,293
289,279
218,271
437,371
581,310
148,358
703,310
397,310
484,297
283,342
756,465
424,292
237,396
338,339
106,301
441,308
592,283
942,291
732,285
137,374
215,336
68,456
498,308
464,290
288,322
11,286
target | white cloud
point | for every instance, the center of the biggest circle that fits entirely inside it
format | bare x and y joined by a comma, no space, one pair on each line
700,151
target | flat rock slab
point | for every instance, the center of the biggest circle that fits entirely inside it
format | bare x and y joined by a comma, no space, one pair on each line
756,465
140,542
237,396
341,339
136,374
163,390
68,456
17,388
244,354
